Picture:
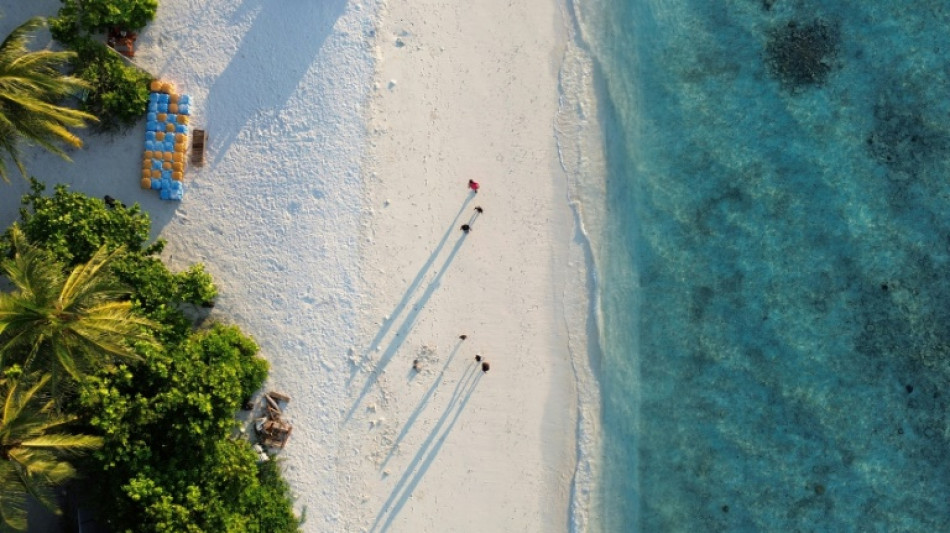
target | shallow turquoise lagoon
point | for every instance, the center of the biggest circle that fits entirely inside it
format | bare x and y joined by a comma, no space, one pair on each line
776,286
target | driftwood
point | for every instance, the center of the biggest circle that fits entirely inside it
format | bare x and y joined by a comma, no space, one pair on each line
272,429
279,396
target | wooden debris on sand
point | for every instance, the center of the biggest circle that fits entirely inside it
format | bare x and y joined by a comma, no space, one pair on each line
198,139
273,429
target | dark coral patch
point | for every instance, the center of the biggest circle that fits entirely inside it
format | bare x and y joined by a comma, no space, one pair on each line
802,55
903,140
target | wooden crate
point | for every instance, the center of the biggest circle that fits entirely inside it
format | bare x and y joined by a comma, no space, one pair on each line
198,140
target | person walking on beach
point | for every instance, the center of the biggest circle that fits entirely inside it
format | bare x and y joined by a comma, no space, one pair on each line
472,184
466,228
479,210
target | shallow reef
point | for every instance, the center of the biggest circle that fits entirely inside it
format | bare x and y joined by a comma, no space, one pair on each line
801,55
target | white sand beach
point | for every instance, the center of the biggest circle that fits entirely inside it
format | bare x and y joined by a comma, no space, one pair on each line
341,138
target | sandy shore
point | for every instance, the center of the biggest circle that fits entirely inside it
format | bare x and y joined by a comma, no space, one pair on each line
466,93
342,136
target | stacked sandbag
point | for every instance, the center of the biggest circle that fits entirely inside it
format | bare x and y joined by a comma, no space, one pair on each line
166,141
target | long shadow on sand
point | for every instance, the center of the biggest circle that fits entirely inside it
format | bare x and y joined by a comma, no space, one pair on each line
410,291
422,404
278,50
405,327
427,453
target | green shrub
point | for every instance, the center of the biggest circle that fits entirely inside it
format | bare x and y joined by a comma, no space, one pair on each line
168,456
170,460
73,226
100,15
120,91
65,26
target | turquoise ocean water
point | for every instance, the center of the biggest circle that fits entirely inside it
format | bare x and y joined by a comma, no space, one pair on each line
776,277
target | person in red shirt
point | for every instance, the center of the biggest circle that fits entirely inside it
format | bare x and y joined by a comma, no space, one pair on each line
472,184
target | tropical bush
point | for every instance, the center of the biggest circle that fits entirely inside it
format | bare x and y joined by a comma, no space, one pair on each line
100,15
64,27
171,457
73,226
119,94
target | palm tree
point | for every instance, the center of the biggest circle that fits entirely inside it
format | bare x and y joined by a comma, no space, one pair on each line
31,86
58,323
32,441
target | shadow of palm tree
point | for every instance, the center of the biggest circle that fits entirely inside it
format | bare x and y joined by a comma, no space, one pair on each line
279,50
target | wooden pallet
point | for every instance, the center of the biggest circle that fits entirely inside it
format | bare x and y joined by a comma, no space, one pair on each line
198,140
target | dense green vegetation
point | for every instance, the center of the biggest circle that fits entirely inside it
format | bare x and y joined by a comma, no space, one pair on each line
77,17
120,91
31,90
160,394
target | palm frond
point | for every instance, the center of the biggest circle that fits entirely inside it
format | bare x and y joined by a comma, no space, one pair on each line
31,85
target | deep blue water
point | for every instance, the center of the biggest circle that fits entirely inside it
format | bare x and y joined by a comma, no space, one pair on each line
776,284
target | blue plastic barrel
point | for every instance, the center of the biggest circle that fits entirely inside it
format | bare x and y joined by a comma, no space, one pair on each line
156,184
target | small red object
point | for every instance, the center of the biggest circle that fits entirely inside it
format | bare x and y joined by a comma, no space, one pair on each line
472,184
